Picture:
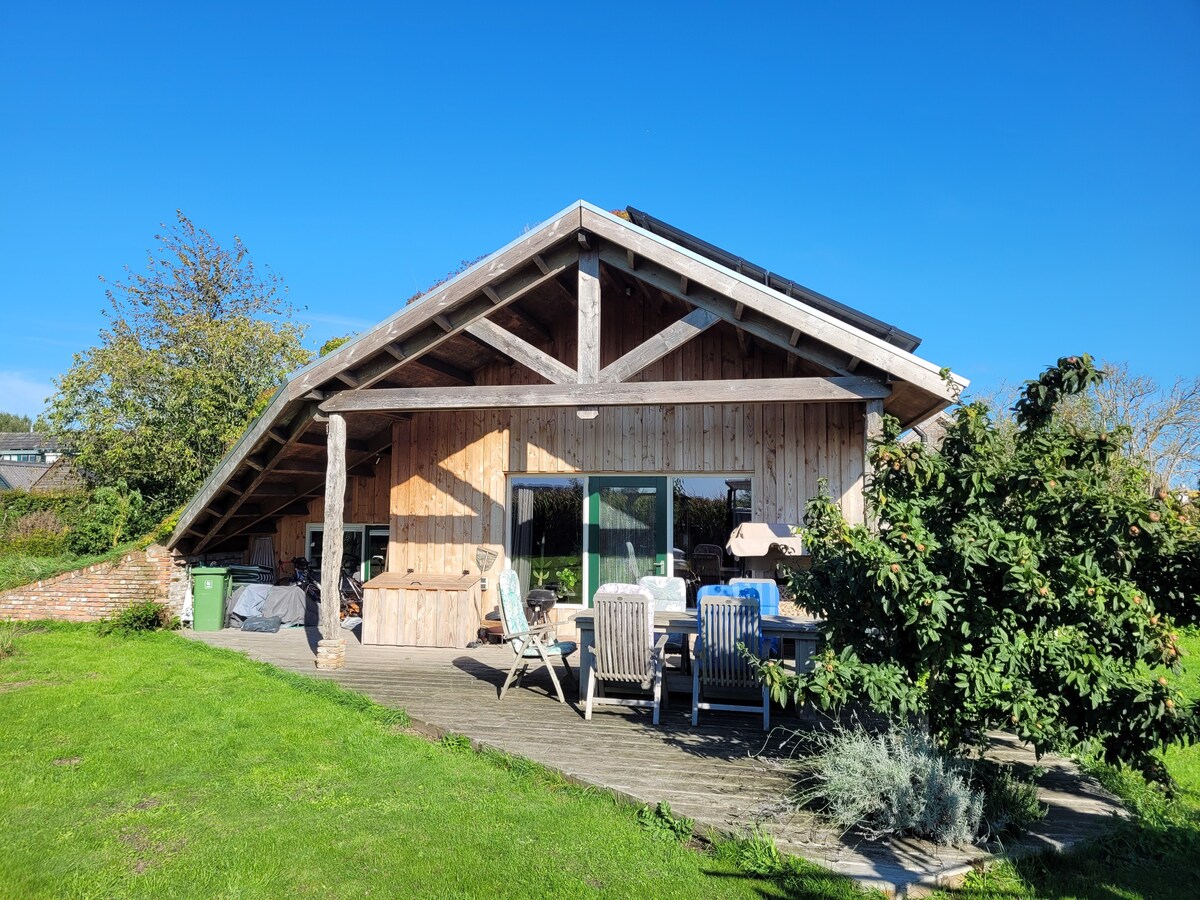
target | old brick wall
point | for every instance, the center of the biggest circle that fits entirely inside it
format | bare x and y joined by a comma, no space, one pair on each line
93,592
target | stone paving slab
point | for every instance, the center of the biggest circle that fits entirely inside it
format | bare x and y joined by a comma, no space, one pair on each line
725,773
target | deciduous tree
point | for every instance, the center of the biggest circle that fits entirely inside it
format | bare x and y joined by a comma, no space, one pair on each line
190,347
14,422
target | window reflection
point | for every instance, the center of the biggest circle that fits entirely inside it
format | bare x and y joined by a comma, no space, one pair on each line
547,534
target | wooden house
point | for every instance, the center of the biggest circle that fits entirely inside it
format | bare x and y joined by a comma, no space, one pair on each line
605,393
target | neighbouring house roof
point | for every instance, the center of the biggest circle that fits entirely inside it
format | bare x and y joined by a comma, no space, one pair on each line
931,432
26,440
439,338
60,475
20,476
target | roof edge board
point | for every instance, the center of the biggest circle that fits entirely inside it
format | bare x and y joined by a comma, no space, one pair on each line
353,351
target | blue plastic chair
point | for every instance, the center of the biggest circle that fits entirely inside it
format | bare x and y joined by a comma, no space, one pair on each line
768,593
765,592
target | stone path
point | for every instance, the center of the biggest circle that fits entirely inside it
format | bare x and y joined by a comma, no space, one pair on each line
725,773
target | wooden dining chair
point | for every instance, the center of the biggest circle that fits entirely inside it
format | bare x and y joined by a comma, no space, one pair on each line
718,668
626,652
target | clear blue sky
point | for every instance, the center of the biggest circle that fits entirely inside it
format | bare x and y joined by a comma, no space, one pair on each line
1011,182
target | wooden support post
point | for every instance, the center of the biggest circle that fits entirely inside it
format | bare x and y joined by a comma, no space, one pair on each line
589,315
331,649
871,433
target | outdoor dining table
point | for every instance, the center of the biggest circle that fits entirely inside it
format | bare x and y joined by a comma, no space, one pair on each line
804,632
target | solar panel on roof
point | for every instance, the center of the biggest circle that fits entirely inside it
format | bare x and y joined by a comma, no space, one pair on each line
880,329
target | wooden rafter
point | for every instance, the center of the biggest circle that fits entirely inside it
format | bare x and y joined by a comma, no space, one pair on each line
504,271
445,369
405,350
841,338
299,424
309,487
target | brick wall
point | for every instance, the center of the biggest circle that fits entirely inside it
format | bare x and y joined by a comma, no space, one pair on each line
94,592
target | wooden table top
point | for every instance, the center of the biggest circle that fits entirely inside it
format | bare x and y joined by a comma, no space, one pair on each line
686,623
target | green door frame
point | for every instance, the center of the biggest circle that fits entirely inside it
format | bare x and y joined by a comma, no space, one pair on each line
661,513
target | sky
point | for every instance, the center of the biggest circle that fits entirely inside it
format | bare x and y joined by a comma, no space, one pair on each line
1012,182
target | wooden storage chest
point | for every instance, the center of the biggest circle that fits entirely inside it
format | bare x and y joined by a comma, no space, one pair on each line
421,610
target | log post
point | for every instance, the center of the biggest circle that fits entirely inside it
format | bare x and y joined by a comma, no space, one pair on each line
331,649
589,315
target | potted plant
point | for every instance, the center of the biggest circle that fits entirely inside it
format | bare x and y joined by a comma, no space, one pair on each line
567,579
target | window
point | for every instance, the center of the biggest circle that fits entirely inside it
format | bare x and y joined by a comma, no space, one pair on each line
364,548
546,533
706,510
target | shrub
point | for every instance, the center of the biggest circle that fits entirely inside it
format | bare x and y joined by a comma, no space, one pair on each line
139,617
1010,803
1016,579
65,506
36,543
113,515
756,854
895,783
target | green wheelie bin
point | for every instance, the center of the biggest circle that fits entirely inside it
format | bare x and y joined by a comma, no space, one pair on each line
210,588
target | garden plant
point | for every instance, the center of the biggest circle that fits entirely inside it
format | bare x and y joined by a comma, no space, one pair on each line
1023,578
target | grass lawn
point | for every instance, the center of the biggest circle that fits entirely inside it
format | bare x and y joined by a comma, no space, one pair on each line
156,766
1155,856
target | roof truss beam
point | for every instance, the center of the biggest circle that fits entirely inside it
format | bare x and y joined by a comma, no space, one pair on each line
662,344
764,329
453,321
522,351
639,393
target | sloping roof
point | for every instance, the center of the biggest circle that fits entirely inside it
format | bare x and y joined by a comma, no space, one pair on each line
786,286
60,475
829,336
26,440
20,476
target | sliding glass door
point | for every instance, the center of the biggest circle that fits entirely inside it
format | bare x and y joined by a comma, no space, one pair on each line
629,528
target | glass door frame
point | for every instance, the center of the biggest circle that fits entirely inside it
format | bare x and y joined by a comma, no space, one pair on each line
663,558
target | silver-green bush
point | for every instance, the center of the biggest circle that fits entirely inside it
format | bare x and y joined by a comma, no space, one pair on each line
895,783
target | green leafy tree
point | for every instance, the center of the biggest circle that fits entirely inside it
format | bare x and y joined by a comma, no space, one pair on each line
190,348
334,343
1021,578
14,422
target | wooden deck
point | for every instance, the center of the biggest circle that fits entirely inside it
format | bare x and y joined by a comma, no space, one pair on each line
723,773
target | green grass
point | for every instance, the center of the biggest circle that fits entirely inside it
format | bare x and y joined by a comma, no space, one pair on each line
154,766
1153,856
18,569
